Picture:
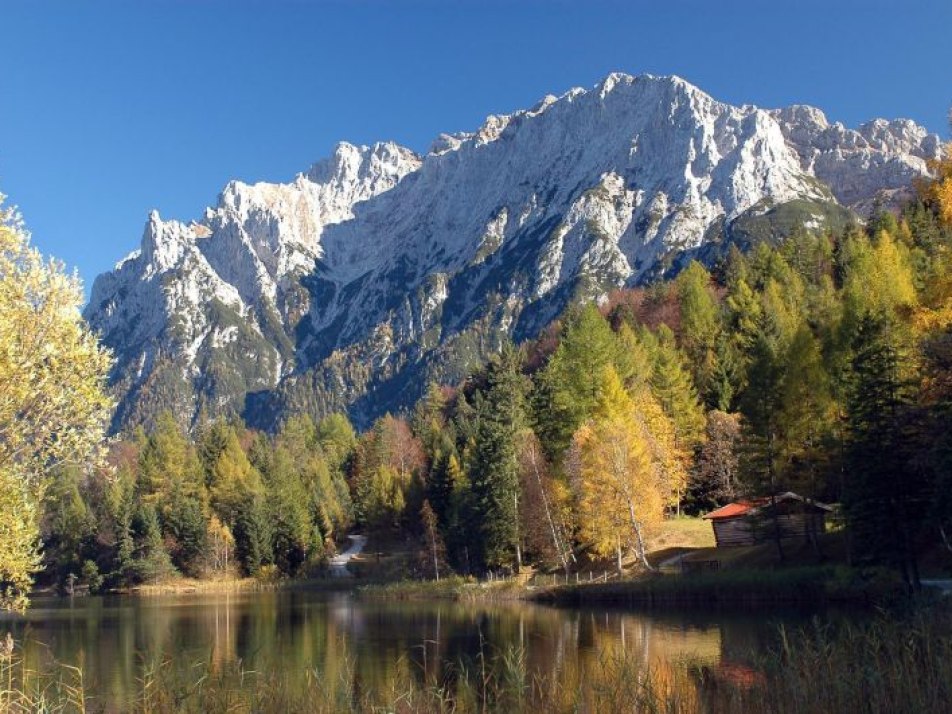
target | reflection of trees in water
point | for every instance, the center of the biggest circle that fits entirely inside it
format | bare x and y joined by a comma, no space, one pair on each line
362,649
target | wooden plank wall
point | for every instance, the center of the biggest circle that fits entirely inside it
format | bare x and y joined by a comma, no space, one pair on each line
741,531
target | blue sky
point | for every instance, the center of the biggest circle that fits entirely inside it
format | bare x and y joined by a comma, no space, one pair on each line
108,110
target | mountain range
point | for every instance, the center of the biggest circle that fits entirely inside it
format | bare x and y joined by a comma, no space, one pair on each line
379,270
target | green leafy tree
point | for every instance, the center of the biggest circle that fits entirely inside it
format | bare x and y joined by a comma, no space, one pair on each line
54,407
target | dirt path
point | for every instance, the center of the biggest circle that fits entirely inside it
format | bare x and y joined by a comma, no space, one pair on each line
338,564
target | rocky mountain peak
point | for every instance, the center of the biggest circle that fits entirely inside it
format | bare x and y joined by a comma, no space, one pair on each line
376,270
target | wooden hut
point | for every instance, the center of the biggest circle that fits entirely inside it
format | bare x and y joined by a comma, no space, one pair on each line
753,521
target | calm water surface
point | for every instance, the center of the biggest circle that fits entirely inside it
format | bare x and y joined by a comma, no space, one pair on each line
337,637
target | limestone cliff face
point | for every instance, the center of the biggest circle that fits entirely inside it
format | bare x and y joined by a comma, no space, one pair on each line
377,269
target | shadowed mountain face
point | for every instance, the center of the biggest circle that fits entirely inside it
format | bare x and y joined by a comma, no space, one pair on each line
379,270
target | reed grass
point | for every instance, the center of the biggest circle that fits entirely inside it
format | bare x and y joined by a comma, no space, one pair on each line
456,587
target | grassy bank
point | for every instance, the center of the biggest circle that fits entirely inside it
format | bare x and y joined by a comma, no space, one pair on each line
813,586
186,586
885,665
453,588
804,585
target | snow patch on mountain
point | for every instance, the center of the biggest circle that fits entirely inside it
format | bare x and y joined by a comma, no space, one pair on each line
348,285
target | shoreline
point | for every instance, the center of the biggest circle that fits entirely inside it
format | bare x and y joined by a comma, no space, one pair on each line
806,586
759,588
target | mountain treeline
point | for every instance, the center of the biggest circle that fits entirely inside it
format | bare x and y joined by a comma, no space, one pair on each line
821,365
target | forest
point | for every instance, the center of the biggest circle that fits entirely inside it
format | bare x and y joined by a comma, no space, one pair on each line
822,365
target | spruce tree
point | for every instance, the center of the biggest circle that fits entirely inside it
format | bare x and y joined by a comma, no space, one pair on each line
494,471
761,406
885,488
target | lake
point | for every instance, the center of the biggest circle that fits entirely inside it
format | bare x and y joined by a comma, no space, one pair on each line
352,647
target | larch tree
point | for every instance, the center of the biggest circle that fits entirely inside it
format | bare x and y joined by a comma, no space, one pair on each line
807,414
433,559
700,323
673,387
568,388
622,483
53,403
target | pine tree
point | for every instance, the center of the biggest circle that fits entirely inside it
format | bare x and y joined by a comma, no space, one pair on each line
494,471
253,534
151,561
761,406
886,489
568,387
187,525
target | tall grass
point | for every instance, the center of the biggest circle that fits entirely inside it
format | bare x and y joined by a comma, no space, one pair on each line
886,665
882,666
28,690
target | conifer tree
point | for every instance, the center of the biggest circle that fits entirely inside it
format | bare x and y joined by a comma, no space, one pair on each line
886,488
621,482
673,387
761,406
494,471
700,324
569,384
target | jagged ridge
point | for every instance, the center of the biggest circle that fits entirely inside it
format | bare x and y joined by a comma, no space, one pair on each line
378,269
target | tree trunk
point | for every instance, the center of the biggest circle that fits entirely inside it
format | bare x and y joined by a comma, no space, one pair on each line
515,498
639,539
778,536
559,548
436,560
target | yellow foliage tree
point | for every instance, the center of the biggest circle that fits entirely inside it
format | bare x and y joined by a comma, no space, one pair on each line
628,469
53,402
939,190
880,277
234,480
